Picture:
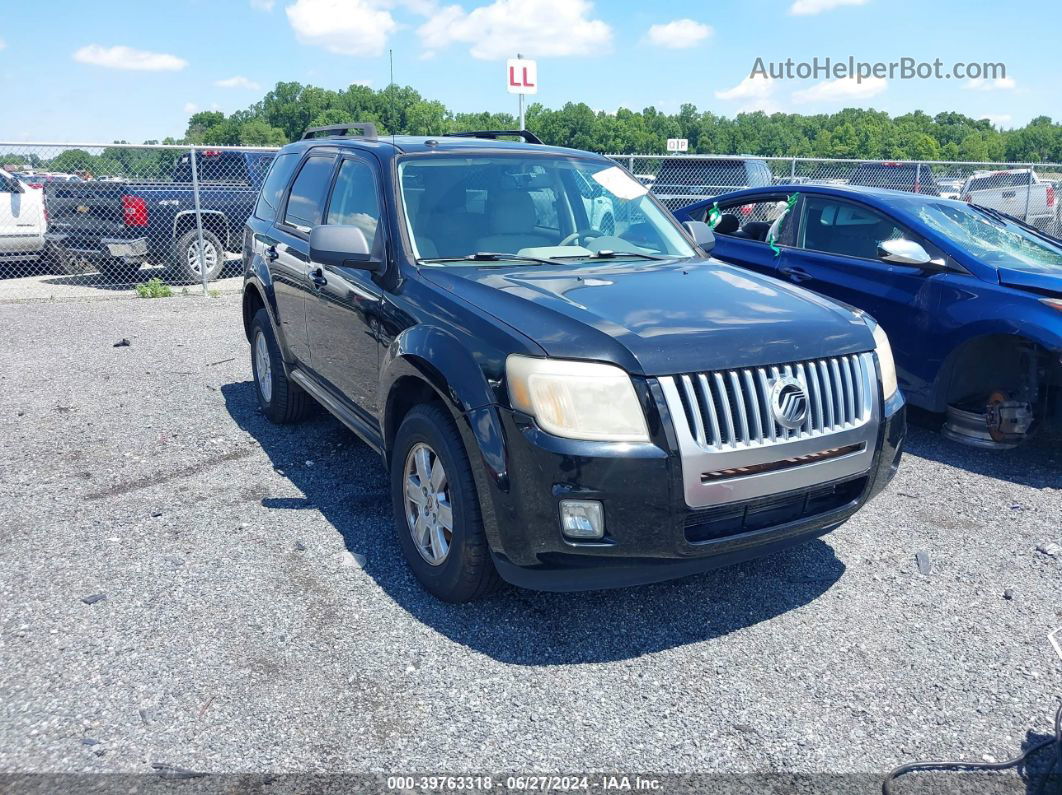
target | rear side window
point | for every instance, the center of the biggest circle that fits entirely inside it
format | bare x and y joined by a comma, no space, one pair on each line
355,200
273,188
306,202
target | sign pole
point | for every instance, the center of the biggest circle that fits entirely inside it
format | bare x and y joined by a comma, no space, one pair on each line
519,56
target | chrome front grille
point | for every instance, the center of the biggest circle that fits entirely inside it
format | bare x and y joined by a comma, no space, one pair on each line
732,409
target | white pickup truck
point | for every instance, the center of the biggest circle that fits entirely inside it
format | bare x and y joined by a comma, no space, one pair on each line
1018,192
22,221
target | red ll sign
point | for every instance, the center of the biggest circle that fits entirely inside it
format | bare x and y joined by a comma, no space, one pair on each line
522,76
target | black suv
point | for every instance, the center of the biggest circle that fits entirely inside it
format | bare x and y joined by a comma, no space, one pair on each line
563,406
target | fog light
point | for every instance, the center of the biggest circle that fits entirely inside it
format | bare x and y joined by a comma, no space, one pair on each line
582,519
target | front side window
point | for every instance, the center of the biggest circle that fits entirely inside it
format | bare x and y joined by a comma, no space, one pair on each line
991,238
306,202
457,206
355,199
850,230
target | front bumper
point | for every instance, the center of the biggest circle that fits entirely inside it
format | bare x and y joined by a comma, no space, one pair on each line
651,533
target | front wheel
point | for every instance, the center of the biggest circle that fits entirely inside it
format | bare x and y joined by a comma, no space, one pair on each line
188,264
437,514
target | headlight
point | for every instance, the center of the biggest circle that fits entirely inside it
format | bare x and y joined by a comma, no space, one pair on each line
577,400
885,360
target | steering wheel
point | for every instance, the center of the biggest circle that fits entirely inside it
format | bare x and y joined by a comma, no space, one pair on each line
581,233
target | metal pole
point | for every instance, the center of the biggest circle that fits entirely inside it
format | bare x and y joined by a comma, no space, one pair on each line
198,224
792,170
521,98
1028,194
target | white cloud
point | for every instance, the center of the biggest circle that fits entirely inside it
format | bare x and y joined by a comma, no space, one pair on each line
2,44
840,90
347,27
121,57
808,7
238,81
679,34
191,107
1004,120
757,93
530,27
998,84
749,88
263,5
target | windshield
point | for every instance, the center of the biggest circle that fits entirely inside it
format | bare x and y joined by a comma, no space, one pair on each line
993,240
458,207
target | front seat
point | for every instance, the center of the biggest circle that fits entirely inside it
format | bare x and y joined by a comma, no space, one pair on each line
511,218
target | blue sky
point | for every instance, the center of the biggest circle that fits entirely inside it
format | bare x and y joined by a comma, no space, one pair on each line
67,68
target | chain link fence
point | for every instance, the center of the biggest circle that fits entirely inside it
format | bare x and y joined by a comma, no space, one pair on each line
112,217
1031,192
89,218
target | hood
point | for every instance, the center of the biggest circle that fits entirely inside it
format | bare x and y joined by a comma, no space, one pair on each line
660,318
1034,280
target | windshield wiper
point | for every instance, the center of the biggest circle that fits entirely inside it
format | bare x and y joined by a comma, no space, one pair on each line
991,212
999,215
490,256
607,253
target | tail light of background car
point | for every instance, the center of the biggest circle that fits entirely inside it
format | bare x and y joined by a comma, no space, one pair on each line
1050,195
134,211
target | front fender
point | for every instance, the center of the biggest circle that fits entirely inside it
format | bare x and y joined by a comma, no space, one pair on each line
1024,327
434,357
438,358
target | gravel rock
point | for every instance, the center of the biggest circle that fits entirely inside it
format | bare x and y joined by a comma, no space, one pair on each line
831,654
1050,548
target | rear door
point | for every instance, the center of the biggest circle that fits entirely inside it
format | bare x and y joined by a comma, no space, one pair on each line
742,236
343,315
288,251
836,254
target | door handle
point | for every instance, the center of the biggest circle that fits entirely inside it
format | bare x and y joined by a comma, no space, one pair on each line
318,278
272,253
796,274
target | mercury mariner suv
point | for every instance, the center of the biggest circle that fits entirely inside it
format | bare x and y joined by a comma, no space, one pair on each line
560,406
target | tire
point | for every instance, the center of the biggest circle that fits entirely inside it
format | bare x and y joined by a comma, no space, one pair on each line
466,572
281,400
185,263
62,262
119,272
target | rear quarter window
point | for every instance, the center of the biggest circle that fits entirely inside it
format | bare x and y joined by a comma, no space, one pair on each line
273,187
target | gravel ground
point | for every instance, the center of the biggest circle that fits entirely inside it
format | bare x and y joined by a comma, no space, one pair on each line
257,616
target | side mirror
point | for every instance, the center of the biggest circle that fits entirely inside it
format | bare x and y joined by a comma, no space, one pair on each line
701,233
904,252
342,246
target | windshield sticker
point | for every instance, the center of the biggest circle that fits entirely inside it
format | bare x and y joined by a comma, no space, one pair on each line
616,181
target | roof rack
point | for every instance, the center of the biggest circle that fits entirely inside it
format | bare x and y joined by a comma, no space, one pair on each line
365,130
491,135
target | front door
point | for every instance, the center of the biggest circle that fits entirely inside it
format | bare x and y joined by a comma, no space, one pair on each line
343,315
836,254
